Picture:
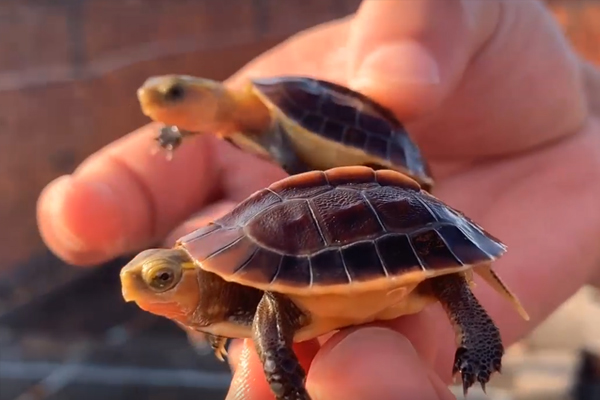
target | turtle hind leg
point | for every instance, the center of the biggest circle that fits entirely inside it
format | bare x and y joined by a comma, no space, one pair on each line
480,347
282,150
275,322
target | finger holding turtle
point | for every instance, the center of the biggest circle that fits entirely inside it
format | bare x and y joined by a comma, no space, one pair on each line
374,361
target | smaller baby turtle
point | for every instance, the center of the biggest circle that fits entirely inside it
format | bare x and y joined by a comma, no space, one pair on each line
320,251
301,123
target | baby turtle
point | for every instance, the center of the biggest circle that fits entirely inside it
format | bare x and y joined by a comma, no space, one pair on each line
301,123
320,251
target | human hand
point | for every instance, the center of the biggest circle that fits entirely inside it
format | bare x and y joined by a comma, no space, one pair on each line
494,97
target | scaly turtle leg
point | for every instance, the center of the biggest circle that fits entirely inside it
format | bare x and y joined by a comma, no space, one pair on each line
198,340
480,347
275,322
170,138
217,344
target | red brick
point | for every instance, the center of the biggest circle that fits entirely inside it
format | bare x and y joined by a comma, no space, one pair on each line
142,30
33,36
288,17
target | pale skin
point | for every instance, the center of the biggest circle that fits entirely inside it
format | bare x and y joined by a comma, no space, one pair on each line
514,142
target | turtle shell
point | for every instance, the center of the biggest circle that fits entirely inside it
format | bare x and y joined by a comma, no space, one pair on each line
346,117
323,231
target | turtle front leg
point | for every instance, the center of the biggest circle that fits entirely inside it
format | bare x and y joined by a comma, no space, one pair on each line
198,340
170,137
275,322
480,347
218,345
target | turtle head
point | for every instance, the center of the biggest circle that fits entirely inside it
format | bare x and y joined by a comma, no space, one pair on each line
190,103
163,282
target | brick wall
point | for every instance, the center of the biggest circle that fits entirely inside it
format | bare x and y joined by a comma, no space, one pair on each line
69,70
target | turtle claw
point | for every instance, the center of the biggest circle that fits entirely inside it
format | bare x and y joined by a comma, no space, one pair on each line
219,346
474,367
483,387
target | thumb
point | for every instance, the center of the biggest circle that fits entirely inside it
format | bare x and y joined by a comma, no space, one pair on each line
373,362
410,54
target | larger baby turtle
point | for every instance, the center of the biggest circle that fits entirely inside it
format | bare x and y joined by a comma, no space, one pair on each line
320,251
300,123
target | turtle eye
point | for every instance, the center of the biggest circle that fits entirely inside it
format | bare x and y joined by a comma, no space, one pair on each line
174,93
162,278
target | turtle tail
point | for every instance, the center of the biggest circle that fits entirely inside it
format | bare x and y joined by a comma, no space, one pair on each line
487,273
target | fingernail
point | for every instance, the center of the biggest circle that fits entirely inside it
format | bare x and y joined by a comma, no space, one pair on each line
370,362
406,63
54,199
78,232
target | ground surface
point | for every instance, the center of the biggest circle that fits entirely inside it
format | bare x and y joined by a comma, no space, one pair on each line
80,340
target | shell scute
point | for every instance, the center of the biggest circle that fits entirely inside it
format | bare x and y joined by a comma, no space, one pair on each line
346,114
328,268
209,240
398,156
290,94
293,110
303,96
433,252
355,138
261,266
362,262
397,254
356,175
486,242
374,124
287,228
313,122
399,210
294,271
335,131
343,216
377,146
461,245
199,233
302,186
224,250
387,177
248,208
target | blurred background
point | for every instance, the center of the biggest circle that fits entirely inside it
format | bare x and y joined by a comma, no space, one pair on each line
62,66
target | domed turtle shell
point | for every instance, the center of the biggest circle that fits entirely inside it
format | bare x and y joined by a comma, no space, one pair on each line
347,118
348,227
